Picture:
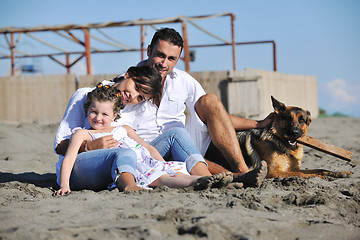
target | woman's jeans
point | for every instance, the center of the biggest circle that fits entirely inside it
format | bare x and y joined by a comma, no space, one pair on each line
176,144
95,170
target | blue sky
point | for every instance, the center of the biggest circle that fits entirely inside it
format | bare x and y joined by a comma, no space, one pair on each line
318,38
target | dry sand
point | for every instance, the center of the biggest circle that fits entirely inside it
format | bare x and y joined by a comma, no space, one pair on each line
291,208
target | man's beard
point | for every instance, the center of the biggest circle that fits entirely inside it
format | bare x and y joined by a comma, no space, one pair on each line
161,69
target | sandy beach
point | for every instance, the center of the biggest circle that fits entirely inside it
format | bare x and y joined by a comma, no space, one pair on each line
290,208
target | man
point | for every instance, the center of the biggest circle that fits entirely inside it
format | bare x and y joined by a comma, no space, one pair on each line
208,119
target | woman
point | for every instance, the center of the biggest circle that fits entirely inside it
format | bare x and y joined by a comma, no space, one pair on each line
137,85
102,107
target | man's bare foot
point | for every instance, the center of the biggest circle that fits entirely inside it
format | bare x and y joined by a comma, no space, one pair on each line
215,181
252,178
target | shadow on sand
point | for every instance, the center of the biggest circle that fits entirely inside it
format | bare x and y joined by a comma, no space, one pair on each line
47,180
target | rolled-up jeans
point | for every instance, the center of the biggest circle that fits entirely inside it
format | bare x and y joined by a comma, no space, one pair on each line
95,170
176,144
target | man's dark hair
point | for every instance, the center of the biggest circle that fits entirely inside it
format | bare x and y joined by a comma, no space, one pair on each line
169,35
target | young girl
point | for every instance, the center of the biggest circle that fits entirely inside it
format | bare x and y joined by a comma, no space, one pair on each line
102,106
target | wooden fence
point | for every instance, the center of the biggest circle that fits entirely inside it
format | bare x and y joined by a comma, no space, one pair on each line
43,98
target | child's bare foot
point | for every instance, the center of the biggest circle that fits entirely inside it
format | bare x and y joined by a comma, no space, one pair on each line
126,182
252,178
131,188
123,187
215,181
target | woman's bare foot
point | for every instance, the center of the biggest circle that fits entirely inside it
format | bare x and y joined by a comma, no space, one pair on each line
252,178
215,181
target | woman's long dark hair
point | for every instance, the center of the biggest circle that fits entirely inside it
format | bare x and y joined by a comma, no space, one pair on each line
148,80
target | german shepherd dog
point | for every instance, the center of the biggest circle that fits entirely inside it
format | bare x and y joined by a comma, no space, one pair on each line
276,144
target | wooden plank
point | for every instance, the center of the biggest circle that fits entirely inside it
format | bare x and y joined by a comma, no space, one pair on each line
326,148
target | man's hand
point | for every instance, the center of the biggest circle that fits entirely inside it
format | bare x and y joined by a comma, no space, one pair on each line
102,143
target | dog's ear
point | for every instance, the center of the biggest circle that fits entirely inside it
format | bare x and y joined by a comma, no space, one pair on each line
309,118
278,106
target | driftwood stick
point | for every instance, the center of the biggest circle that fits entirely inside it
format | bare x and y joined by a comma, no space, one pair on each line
326,148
